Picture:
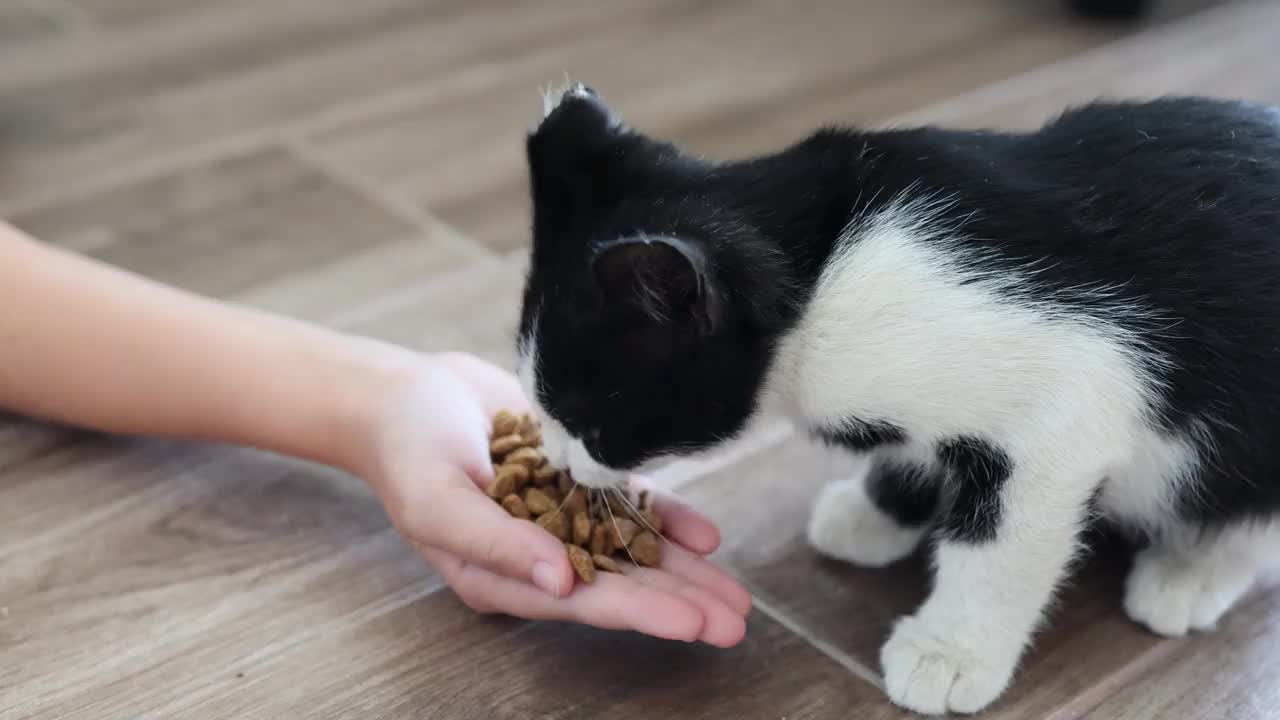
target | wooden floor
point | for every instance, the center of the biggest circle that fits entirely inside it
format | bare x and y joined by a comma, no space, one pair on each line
359,164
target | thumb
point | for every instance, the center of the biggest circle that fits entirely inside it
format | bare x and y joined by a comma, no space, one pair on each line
461,520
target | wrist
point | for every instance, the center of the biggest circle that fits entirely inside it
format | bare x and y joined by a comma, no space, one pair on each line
327,398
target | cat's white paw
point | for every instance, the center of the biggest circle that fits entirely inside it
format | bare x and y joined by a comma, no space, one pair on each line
926,673
846,525
1172,596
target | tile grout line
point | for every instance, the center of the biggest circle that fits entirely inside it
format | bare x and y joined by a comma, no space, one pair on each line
848,662
426,222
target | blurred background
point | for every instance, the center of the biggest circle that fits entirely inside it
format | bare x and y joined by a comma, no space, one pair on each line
360,164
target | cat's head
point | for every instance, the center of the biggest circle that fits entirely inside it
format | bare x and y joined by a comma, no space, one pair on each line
643,331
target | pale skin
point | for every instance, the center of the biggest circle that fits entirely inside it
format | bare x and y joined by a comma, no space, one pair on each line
89,345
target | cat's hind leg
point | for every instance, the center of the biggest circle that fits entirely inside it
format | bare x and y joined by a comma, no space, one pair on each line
1187,579
877,519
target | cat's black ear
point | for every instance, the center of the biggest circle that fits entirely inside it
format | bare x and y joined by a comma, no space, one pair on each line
660,280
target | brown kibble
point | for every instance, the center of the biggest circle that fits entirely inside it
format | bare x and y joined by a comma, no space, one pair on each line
538,502
504,484
600,544
619,508
544,474
576,502
605,563
504,444
551,492
505,423
596,526
645,549
581,528
519,473
527,425
554,523
582,563
530,457
652,520
515,507
623,531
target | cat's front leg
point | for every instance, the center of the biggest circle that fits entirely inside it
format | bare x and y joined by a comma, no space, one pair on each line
879,518
1004,543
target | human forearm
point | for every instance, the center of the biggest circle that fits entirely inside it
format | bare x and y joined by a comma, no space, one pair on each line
89,345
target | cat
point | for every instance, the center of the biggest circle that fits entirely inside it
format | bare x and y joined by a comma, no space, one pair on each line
1024,332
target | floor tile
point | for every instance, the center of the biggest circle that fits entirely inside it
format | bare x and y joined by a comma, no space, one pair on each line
436,657
1193,684
224,227
185,570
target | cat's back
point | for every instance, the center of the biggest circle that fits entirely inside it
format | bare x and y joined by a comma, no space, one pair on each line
1172,147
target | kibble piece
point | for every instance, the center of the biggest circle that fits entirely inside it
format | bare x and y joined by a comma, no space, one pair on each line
551,492
576,502
530,457
652,520
619,508
605,563
505,423
504,484
538,502
504,444
532,438
645,549
624,531
519,473
527,424
581,528
582,563
554,523
544,474
515,507
600,544
564,482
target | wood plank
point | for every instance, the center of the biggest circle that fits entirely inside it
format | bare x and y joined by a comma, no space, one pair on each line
159,88
227,226
27,22
1226,52
182,570
762,78
435,658
1229,675
762,506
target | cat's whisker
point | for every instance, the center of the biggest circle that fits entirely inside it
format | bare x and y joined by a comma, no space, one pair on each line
567,496
618,533
638,516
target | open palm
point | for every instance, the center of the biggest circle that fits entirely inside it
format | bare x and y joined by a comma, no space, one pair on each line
432,466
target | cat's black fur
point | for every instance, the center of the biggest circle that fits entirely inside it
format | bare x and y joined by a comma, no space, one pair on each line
1171,205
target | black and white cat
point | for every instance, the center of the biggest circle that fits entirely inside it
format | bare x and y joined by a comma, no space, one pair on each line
1027,331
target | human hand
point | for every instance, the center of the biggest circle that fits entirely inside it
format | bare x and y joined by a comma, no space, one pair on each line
429,465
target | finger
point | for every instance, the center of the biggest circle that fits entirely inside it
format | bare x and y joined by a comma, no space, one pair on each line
612,602
722,625
466,523
681,523
698,571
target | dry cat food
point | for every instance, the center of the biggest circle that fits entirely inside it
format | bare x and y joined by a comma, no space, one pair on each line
599,528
